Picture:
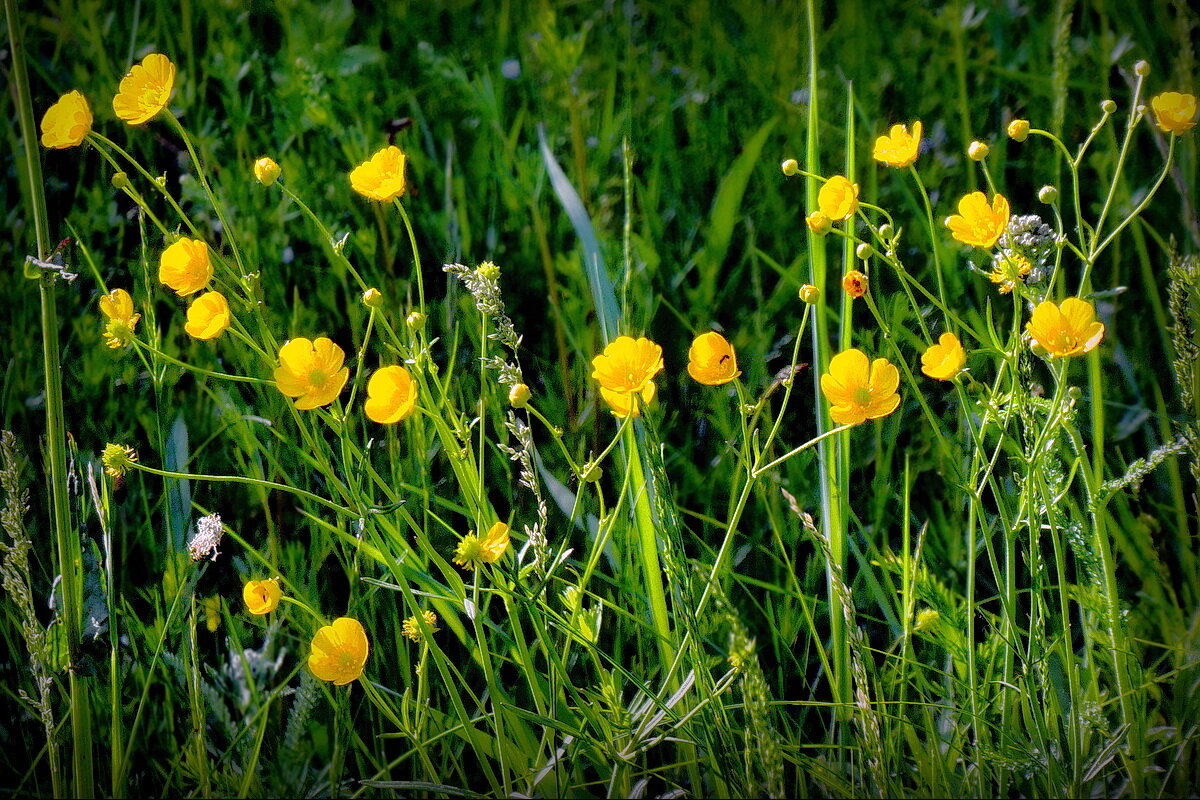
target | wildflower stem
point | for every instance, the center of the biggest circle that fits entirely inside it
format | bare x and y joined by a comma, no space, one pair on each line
162,473
757,471
1135,116
198,370
643,517
226,229
937,259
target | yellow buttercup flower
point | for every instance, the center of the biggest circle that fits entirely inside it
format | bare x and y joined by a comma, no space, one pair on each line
185,266
945,359
339,651
899,148
145,90
859,389
382,176
625,371
67,122
1018,130
208,316
838,198
1069,329
519,395
712,360
412,628
262,597
854,283
311,371
117,306
391,395
266,171
978,223
118,459
473,550
1174,112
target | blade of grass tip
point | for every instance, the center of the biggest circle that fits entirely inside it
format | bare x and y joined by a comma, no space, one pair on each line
56,444
603,295
724,215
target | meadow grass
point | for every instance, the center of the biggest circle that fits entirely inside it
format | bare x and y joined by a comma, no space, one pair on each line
969,577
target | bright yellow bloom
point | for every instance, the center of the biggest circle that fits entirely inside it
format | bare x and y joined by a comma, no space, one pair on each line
145,90
712,360
858,389
117,306
67,122
412,628
976,222
311,371
208,316
838,198
117,459
1067,330
185,266
495,543
339,651
472,550
899,148
1174,112
818,223
262,597
391,395
626,370
854,283
382,176
945,359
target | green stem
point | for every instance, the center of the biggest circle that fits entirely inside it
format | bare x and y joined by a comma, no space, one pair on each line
252,482
643,519
69,560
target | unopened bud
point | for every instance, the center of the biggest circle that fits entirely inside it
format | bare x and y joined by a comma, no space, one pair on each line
415,320
886,231
790,167
818,223
810,294
864,251
1142,68
1018,130
518,396
1108,106
120,181
1048,195
978,151
372,298
266,171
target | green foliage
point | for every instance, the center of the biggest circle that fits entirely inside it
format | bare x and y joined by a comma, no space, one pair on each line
991,591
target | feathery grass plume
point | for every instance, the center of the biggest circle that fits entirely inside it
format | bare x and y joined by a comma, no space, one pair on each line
867,717
483,283
1183,300
762,757
292,757
15,577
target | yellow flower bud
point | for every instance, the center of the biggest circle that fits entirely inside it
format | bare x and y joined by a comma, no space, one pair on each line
266,171
1018,130
810,294
1108,107
372,298
790,167
1048,195
120,181
415,320
1142,68
818,223
978,151
518,396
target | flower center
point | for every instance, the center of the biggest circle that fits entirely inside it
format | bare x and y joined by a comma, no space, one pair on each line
317,377
862,396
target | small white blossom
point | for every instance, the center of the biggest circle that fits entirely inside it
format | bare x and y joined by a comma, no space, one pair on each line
207,538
